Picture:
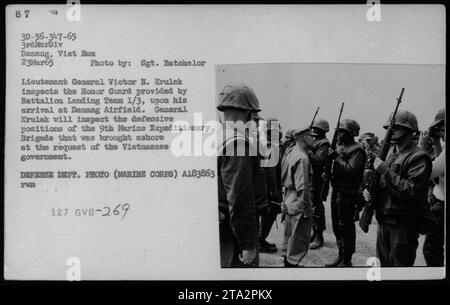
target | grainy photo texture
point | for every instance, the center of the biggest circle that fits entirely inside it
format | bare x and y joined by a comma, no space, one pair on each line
360,167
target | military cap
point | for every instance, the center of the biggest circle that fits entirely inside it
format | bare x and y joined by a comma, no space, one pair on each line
301,131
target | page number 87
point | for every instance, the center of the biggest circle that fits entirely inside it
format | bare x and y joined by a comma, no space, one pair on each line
24,13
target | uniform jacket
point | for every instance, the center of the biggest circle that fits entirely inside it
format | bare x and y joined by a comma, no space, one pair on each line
318,157
273,177
403,188
348,166
296,174
261,185
288,149
237,183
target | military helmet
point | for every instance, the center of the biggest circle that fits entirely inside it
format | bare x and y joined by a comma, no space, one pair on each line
439,118
238,97
350,125
321,124
403,118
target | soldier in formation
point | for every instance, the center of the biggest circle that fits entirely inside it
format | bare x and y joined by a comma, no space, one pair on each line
318,156
401,198
253,189
238,180
348,168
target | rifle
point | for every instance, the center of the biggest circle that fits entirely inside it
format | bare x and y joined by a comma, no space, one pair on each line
327,170
315,114
369,208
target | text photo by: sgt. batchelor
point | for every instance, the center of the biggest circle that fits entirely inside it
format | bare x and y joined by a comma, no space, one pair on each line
331,165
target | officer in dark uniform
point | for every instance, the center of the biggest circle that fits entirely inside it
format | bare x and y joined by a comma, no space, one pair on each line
348,169
272,169
401,197
318,158
259,137
237,180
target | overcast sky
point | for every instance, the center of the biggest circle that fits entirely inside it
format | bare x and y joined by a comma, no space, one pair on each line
291,92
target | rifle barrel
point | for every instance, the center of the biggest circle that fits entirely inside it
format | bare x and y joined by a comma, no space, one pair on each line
314,117
328,165
369,208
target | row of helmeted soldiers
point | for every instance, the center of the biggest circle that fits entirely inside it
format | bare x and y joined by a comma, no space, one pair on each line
253,191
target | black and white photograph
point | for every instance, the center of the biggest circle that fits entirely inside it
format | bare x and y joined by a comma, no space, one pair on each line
360,173
248,147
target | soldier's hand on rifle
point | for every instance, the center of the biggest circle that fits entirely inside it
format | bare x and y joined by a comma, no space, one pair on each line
366,195
332,154
380,166
248,256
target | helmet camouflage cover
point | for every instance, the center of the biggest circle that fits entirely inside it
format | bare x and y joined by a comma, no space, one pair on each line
321,124
350,125
238,97
404,118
